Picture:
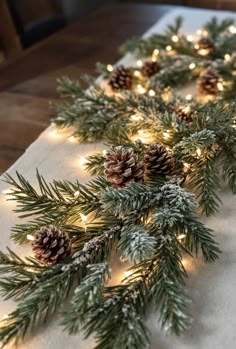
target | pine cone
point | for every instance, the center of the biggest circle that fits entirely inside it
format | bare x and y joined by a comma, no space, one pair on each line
205,44
121,79
122,167
50,245
150,68
208,81
158,161
184,113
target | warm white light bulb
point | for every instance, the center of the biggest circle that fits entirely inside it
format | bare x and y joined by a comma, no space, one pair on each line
190,38
168,48
220,86
175,38
227,57
5,317
139,63
181,237
192,66
82,160
30,237
199,152
109,68
141,90
232,29
83,217
151,93
76,193
188,97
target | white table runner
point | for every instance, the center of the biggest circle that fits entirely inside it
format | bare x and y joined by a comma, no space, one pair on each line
212,287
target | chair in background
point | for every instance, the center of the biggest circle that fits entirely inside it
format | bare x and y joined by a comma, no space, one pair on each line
35,19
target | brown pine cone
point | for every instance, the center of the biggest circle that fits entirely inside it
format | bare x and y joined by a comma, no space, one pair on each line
51,245
122,166
158,161
150,68
205,44
121,79
208,80
184,113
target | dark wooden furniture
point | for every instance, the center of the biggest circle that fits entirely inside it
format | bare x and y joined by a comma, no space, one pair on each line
28,83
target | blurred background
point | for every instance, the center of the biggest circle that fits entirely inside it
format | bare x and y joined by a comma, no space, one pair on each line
25,22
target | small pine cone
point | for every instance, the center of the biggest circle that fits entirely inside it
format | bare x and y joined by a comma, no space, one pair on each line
158,161
184,113
121,79
51,245
208,81
122,167
205,44
150,68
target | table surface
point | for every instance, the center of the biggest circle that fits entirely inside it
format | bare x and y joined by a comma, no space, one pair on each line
28,84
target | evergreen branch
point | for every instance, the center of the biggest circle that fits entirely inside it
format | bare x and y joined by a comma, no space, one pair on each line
47,298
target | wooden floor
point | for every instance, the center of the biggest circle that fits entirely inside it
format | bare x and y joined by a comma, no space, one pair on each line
28,84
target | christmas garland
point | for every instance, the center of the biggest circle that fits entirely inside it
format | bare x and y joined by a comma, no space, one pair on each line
160,145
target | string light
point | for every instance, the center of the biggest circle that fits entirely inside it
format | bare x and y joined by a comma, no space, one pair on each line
166,135
199,32
30,237
136,117
151,93
127,273
188,97
181,237
190,38
232,29
199,152
54,134
186,165
168,48
137,73
175,38
82,160
227,57
155,54
72,139
141,90
109,68
205,33
139,63
84,218
104,152
76,193
192,66
5,317
6,191
220,86
203,51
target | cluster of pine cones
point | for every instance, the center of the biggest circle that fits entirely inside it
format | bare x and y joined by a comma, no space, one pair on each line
123,166
208,81
122,78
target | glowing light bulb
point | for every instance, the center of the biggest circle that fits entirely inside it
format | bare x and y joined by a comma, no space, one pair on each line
188,97
190,38
232,29
30,237
181,237
84,218
175,38
220,86
137,73
151,93
82,160
139,63
72,139
110,68
54,134
166,135
192,66
205,33
199,32
104,152
136,117
203,51
199,152
127,273
5,317
155,54
186,166
76,193
227,57
168,48
141,90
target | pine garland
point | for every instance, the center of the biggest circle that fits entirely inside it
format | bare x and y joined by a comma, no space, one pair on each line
151,222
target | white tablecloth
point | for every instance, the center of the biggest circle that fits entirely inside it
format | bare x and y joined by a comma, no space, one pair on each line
212,287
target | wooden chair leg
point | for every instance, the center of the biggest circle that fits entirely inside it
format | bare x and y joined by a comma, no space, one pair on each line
8,34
